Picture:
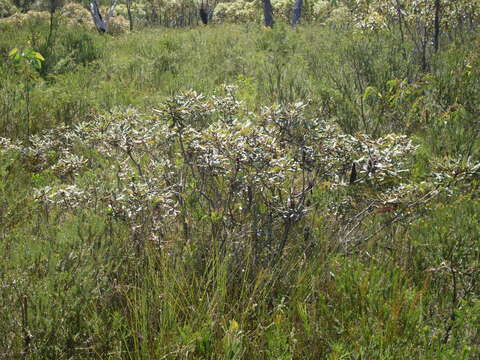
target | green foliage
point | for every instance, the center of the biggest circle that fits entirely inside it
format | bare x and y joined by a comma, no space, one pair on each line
27,64
279,69
7,8
324,207
237,12
81,47
23,5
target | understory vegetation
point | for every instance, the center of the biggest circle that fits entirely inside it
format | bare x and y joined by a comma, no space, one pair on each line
236,192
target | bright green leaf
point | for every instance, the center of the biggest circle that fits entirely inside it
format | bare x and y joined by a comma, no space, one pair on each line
38,56
13,52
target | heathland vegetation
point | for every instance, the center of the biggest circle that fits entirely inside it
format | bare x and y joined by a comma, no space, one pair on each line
170,190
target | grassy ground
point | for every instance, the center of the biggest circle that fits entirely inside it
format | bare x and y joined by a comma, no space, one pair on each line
350,277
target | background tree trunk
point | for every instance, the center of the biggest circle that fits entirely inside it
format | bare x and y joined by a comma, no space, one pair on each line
297,12
204,15
129,12
100,23
436,36
268,13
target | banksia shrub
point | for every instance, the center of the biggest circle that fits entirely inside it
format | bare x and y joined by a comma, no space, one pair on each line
75,14
71,14
19,19
118,25
203,162
237,12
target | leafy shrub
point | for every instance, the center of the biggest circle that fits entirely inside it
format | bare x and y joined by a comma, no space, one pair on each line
321,10
273,165
205,192
81,46
75,14
71,14
118,25
7,8
236,12
31,17
138,11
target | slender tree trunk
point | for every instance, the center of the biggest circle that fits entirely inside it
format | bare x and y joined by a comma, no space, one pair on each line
400,24
400,20
53,8
436,37
424,49
203,14
129,12
297,12
268,13
154,14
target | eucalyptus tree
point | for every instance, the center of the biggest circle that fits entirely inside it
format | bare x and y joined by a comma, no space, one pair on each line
129,13
297,12
268,13
100,23
203,13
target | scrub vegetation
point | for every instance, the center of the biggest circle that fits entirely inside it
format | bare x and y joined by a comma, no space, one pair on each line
175,190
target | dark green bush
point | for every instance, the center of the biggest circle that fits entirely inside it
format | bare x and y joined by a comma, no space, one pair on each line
82,47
